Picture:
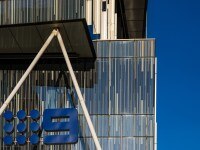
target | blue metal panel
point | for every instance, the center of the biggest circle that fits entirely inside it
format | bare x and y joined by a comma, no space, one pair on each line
71,125
60,139
92,35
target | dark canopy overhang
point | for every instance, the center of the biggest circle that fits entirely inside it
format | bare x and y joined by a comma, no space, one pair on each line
21,42
135,14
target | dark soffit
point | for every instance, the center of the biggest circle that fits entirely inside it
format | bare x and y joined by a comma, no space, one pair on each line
21,40
135,11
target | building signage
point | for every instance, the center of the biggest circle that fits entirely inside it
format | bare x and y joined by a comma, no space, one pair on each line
52,123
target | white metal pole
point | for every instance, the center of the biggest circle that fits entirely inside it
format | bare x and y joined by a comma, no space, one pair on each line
104,20
89,12
23,78
80,96
111,19
155,105
97,16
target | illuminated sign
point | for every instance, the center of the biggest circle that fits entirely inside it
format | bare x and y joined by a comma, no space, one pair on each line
54,121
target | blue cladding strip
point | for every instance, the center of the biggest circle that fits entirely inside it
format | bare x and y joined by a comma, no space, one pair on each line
92,35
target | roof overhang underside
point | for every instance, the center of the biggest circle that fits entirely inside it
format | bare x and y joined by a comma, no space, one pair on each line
21,42
135,12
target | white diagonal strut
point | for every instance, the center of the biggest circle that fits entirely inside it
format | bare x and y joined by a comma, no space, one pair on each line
80,96
23,78
77,88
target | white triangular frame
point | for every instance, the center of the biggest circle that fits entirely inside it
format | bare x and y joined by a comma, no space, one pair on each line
54,33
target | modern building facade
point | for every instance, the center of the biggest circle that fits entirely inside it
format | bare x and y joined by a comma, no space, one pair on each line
119,86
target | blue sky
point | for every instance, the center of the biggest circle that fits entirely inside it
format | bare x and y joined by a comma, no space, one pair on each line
176,26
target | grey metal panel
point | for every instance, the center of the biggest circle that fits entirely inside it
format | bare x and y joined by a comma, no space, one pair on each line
115,125
29,11
125,48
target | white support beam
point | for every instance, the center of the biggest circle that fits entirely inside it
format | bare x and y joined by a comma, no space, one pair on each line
25,75
155,101
97,16
89,12
111,19
77,88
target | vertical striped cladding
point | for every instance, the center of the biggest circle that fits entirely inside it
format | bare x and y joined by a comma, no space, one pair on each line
119,94
28,11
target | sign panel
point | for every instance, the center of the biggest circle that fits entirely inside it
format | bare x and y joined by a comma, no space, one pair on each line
63,120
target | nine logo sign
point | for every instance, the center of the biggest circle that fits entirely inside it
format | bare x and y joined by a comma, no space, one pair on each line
70,125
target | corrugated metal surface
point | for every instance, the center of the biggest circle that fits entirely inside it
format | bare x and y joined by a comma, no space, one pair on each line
119,94
27,11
